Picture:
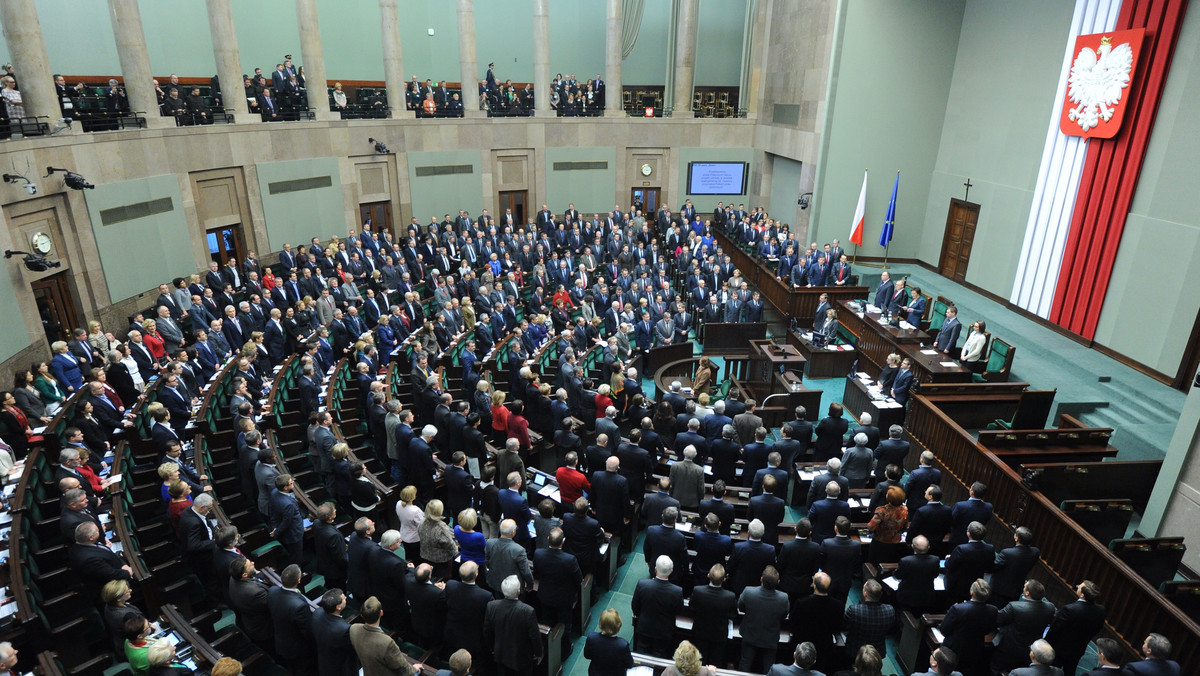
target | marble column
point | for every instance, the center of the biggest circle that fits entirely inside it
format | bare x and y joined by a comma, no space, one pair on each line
613,98
541,59
315,82
393,63
685,58
467,61
750,93
23,33
229,61
135,61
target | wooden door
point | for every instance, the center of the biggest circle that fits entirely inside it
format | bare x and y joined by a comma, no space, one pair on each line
515,200
646,199
380,215
956,243
56,306
226,242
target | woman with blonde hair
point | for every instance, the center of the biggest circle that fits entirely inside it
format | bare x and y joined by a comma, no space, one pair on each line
609,653
470,542
703,410
153,340
99,338
687,662
499,418
438,545
411,516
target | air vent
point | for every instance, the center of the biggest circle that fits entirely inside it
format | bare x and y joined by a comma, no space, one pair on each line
786,113
579,166
136,210
445,170
298,184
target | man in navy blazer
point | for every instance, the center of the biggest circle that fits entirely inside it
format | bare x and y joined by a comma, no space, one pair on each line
711,547
610,495
967,624
824,513
284,518
292,621
514,506
920,479
1157,649
903,382
916,574
972,509
558,576
773,469
769,509
656,602
804,661
883,292
1074,626
664,540
1012,567
841,559
712,607
749,558
947,337
933,520
969,562
799,560
716,505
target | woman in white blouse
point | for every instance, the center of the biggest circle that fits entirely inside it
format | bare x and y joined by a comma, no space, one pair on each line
972,350
339,96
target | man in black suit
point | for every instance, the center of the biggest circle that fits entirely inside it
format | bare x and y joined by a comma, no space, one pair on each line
664,540
750,558
654,504
292,621
1157,651
966,511
360,550
717,505
921,478
1074,626
712,548
1109,655
824,513
816,618
712,607
75,511
969,562
284,520
510,629
799,560
248,598
817,489
309,393
917,574
788,447
769,509
933,520
427,602
1012,567
466,604
656,602
775,469
947,337
94,564
225,552
967,624
460,486
329,547
558,577
388,572
677,402
610,494
1020,623
331,633
841,558
890,451
584,537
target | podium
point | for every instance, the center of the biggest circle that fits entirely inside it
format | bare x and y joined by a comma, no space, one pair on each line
772,370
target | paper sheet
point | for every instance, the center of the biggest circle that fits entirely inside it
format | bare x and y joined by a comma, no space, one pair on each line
949,364
929,352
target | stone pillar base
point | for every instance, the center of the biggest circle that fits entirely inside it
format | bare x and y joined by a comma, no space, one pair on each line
618,112
246,118
545,113
326,115
474,114
683,114
159,122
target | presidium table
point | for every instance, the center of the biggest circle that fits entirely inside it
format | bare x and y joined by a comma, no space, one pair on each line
875,341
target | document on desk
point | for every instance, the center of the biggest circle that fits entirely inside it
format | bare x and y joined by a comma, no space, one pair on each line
639,671
938,635
892,582
932,353
949,364
551,492
939,582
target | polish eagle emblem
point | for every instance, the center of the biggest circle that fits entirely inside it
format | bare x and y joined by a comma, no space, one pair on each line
1098,78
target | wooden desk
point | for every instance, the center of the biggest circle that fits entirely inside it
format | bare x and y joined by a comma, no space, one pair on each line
821,362
932,368
857,399
875,340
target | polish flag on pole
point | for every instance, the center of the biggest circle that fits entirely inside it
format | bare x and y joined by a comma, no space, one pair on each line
860,214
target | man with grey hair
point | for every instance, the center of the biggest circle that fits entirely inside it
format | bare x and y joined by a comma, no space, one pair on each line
675,399
505,558
421,469
687,481
803,661
967,623
94,564
1041,655
832,473
8,657
716,422
608,424
856,462
750,558
656,602
891,451
510,628
1157,651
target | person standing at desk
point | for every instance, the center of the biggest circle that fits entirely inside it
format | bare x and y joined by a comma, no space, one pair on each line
947,337
915,307
972,350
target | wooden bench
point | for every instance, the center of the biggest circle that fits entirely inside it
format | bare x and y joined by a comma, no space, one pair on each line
1105,520
1185,594
1156,560
1062,481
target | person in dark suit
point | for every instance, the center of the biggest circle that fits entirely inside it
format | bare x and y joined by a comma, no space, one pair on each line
388,576
507,557
769,509
933,520
917,574
360,549
1012,567
890,451
248,598
830,434
712,607
329,547
656,602
966,625
903,382
466,604
1157,651
274,337
460,486
968,562
1019,624
966,511
610,494
712,548
664,540
841,558
885,291
921,478
427,603
94,564
331,634
774,469
584,537
750,558
292,622
824,513
869,622
947,337
1074,626
717,505
1041,655
558,577
1109,655
284,518
309,393
510,628
816,618
764,607
608,653
804,662
654,504
799,560
75,511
